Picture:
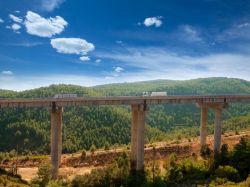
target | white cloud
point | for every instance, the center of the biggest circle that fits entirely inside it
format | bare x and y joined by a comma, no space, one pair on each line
98,60
84,58
50,5
191,34
1,20
39,26
24,44
15,18
158,63
72,46
153,21
15,27
237,31
118,69
7,72
147,64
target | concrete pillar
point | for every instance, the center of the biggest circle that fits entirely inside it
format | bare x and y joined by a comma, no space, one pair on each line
203,126
134,127
140,139
56,139
137,137
217,130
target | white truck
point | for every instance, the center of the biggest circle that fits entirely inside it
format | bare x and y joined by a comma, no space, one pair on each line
62,96
154,94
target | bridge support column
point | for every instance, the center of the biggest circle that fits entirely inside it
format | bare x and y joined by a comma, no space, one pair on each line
56,139
217,130
137,137
203,126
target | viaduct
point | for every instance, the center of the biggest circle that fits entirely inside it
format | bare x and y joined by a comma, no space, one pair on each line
139,108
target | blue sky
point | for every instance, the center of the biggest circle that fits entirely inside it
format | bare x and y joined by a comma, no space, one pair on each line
93,42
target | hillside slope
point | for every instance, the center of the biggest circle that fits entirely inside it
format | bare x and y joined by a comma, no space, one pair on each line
99,126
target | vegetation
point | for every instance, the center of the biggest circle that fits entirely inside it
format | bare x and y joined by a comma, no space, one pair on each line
9,180
187,172
85,127
89,128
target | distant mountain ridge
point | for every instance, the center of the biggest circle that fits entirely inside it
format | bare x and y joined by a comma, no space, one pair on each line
216,85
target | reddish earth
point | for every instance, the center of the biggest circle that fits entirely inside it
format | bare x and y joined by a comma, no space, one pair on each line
72,164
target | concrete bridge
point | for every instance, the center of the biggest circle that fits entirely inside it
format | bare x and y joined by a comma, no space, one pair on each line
139,108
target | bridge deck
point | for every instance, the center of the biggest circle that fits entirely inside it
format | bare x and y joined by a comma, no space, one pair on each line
123,100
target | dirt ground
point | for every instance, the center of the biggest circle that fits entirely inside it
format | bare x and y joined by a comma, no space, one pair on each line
73,165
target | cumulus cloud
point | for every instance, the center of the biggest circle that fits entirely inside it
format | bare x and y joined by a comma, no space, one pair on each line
153,21
84,58
15,18
118,69
50,5
72,46
15,27
1,20
7,72
39,26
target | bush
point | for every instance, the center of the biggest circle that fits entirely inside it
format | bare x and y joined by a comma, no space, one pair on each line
92,149
106,146
83,155
205,151
188,171
223,158
228,173
219,181
44,175
57,183
115,175
240,157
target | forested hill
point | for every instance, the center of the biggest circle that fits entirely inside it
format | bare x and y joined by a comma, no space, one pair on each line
86,126
174,87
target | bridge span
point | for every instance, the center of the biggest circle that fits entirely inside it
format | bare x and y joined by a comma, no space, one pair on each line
139,108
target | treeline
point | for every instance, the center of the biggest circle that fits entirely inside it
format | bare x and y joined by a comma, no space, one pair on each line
28,129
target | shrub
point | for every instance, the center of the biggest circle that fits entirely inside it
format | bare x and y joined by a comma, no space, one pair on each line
219,181
106,146
222,158
240,157
57,183
92,149
227,172
115,175
174,175
205,151
83,155
44,175
187,171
